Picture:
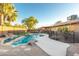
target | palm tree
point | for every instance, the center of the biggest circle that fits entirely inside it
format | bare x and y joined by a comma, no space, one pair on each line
8,12
1,13
30,22
12,13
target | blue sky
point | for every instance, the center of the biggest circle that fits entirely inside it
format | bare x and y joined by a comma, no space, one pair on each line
46,13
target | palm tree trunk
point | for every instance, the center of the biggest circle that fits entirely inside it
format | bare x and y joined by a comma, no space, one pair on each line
2,19
2,22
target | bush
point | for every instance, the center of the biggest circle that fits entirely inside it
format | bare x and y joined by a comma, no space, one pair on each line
60,29
21,33
65,29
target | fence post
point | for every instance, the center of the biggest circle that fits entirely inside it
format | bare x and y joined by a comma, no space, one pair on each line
73,37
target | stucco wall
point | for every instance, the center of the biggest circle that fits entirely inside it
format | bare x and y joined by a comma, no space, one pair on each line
71,27
9,28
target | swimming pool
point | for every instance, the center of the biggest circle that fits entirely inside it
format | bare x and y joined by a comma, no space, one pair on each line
9,39
24,40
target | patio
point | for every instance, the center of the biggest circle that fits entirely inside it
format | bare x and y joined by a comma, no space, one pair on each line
22,51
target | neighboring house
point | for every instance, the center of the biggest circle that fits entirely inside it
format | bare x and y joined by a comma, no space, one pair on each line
72,25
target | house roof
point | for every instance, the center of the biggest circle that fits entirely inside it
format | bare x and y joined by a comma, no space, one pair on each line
63,23
67,22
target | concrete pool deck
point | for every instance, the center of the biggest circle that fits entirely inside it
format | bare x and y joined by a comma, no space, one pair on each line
52,47
22,51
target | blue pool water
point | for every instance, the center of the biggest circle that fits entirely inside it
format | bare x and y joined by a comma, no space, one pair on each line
24,40
10,39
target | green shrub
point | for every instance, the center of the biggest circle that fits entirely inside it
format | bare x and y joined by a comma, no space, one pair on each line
65,29
60,29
